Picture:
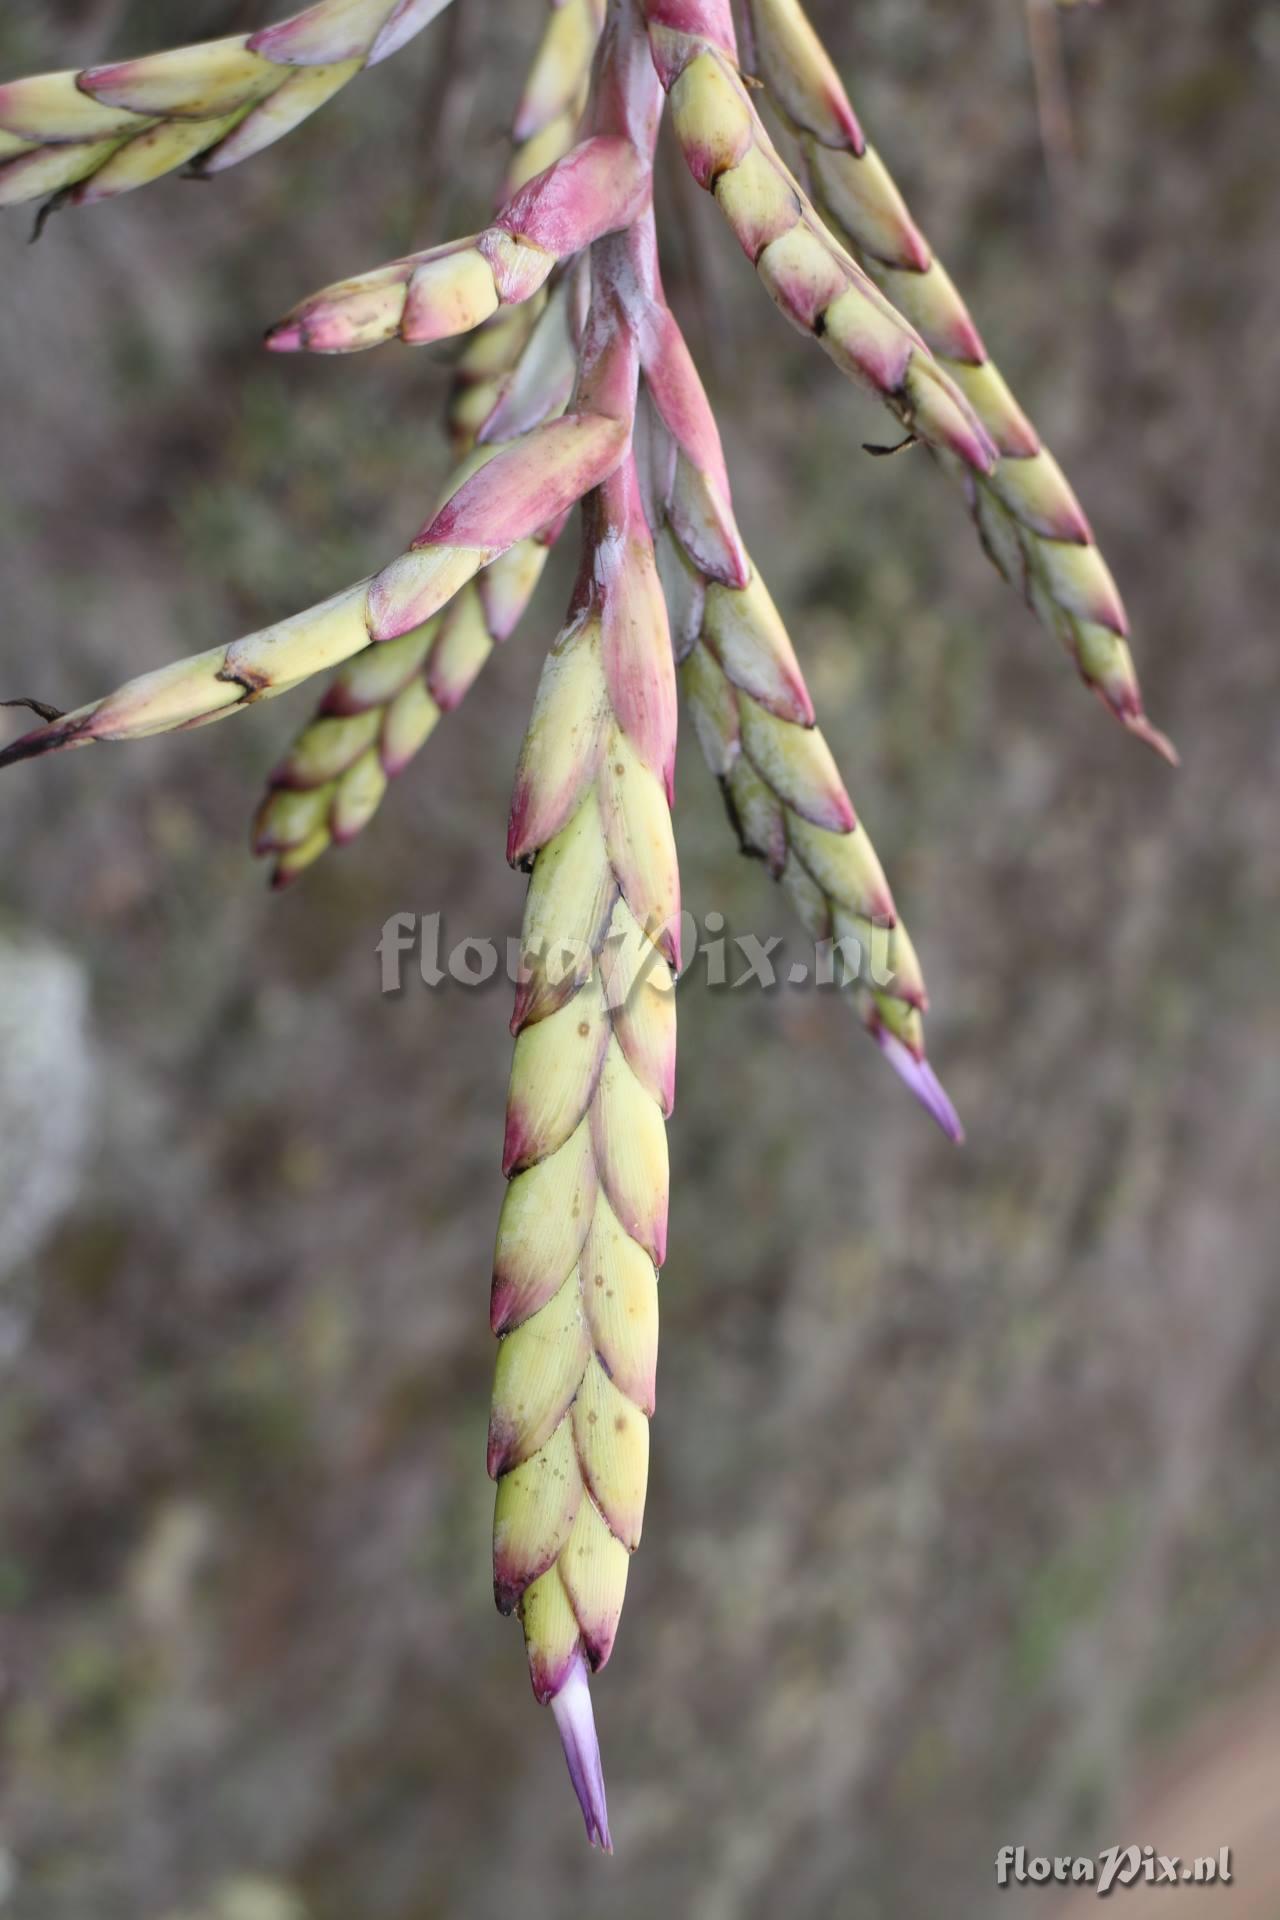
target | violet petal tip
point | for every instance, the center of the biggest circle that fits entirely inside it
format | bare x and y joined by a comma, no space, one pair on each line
576,1723
1160,743
921,1079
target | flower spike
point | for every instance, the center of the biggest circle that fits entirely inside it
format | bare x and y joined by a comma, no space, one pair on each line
1029,520
595,188
584,1225
809,275
77,138
211,685
505,501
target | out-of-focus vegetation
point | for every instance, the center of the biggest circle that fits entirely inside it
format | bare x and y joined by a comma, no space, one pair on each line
965,1467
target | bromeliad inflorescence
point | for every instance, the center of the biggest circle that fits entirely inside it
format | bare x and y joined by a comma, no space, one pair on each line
577,386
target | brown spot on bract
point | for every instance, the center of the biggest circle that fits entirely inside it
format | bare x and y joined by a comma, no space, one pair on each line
620,1423
583,1028
619,768
252,679
592,1417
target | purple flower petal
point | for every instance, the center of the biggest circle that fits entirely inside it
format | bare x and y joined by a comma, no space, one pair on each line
920,1077
576,1722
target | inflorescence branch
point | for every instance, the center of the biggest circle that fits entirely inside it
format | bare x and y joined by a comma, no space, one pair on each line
577,386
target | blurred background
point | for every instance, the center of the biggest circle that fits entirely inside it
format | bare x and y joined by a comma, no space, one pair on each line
962,1529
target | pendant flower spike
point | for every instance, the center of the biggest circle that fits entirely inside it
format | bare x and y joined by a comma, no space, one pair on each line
576,386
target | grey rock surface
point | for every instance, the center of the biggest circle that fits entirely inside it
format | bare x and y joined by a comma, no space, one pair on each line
47,1088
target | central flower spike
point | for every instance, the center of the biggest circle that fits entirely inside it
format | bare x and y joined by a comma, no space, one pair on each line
584,1226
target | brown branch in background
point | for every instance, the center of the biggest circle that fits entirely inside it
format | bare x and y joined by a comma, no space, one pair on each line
101,23
246,16
1053,102
448,93
694,275
47,713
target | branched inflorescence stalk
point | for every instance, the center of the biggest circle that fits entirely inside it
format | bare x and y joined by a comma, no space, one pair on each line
577,386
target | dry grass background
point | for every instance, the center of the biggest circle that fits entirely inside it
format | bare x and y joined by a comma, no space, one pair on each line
965,1481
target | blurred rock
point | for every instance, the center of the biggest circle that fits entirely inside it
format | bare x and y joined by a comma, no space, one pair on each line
47,1085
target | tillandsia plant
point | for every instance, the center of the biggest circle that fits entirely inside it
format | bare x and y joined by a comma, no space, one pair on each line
576,386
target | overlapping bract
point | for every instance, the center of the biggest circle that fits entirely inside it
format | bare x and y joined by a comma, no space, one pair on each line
102,132
381,711
812,280
596,188
577,385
